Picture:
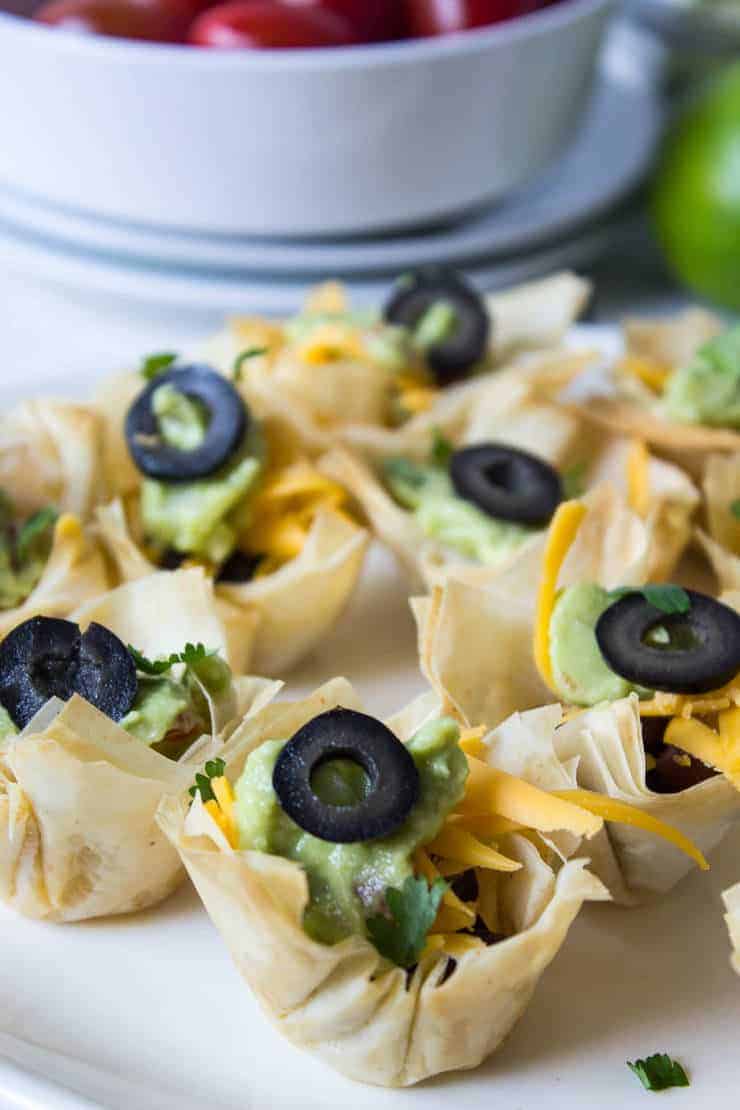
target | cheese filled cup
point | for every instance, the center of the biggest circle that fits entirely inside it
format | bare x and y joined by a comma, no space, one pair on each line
646,676
101,716
389,895
197,478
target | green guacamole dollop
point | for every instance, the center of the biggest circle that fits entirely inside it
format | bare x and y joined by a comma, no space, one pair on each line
581,674
707,390
347,882
201,518
426,490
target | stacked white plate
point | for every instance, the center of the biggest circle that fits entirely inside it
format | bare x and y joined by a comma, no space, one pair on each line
563,219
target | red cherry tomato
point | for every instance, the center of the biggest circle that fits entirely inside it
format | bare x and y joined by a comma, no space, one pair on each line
373,20
442,17
265,24
151,20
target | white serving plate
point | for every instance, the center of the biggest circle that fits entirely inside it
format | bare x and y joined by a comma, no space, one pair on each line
146,1012
294,142
610,154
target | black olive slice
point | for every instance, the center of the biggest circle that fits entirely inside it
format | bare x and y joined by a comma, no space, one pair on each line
455,355
506,483
227,424
47,657
239,567
392,777
701,652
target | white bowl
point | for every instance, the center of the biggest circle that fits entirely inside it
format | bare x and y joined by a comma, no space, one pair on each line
292,143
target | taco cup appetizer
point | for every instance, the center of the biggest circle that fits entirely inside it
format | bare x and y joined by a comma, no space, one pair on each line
201,480
677,387
95,731
469,508
647,678
390,896
333,373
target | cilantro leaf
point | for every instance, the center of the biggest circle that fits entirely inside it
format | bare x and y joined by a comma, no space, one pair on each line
735,508
442,449
251,352
192,654
155,364
401,937
668,599
34,529
574,480
659,1072
214,769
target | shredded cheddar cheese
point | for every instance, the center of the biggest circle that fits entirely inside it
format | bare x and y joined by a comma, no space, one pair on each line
456,843
721,751
610,809
414,395
471,740
561,534
638,479
692,705
651,373
222,809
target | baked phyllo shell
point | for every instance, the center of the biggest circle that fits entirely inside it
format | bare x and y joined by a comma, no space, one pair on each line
78,793
370,1020
50,455
732,917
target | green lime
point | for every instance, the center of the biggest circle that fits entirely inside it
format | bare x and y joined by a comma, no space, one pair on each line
696,192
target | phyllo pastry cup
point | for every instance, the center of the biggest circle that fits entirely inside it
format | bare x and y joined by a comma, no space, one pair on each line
720,540
453,1000
413,500
674,388
337,374
50,455
668,755
276,536
79,792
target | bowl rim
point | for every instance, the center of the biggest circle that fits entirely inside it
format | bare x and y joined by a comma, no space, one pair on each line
474,42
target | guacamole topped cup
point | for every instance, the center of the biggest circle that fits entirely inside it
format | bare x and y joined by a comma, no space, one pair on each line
198,478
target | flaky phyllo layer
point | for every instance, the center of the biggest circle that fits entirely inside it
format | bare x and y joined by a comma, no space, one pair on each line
78,793
484,952
293,523
459,629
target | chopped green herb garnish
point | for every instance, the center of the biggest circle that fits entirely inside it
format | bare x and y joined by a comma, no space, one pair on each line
735,508
213,769
659,1072
251,352
403,470
155,364
668,599
35,527
402,936
442,449
574,480
193,653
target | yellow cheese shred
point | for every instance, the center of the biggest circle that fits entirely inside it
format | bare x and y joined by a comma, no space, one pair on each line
222,809
638,478
651,373
453,913
491,792
609,809
452,944
562,532
471,740
691,705
456,843
721,751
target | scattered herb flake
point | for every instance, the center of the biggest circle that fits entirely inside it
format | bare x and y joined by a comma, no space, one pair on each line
155,364
668,599
213,769
659,1072
735,508
33,529
442,449
251,352
192,653
402,936
574,480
